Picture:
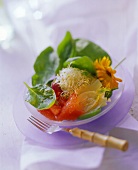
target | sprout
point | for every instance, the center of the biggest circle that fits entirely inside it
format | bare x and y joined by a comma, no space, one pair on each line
70,79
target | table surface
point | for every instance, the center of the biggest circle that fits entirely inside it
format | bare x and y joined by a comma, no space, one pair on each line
13,71
12,75
16,63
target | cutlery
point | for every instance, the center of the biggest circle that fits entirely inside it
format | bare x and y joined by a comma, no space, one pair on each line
100,139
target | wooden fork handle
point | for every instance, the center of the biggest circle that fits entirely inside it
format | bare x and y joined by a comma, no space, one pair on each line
100,139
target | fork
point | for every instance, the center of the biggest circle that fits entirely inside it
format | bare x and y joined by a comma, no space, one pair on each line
100,139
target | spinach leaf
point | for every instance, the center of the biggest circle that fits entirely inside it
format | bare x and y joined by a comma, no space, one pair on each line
83,63
90,49
65,50
45,66
40,96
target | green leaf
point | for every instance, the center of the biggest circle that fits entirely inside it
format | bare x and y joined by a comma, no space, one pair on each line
90,49
90,114
65,50
45,66
40,96
108,93
83,63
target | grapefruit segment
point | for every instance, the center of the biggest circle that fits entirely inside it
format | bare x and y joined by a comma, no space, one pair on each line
47,113
71,110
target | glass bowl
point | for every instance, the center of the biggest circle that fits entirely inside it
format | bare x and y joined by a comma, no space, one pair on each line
114,99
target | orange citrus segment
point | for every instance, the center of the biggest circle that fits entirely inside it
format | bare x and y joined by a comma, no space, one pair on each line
47,113
71,110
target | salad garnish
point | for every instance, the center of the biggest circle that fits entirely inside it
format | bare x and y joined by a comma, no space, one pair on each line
105,73
73,82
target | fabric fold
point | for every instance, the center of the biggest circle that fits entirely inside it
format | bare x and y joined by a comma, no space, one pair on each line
87,156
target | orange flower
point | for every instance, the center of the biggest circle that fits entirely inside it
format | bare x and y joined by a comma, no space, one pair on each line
105,73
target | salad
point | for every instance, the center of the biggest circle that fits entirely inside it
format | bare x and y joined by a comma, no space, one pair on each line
73,82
